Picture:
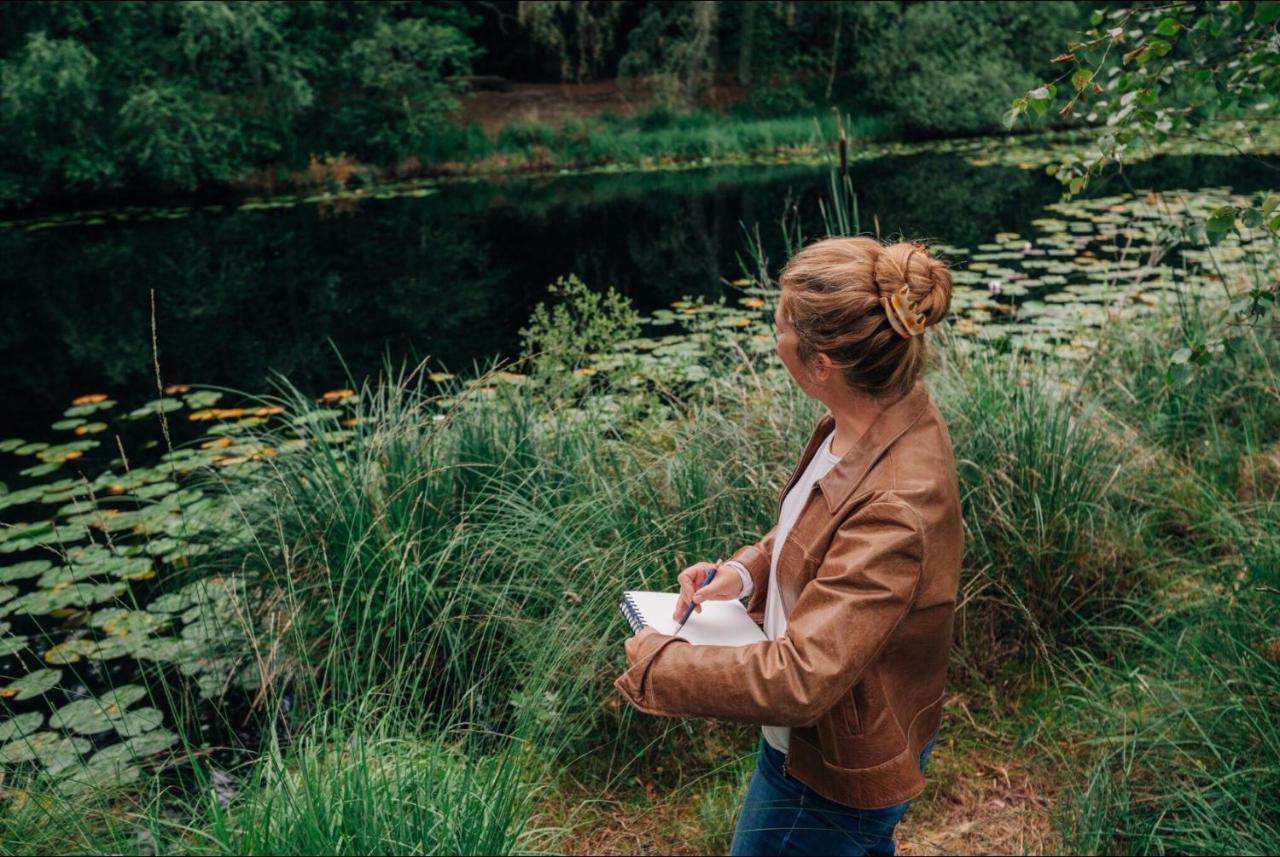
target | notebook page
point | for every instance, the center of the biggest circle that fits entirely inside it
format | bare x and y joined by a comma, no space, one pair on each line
722,623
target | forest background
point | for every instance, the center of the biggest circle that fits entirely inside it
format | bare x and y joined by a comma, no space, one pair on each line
152,99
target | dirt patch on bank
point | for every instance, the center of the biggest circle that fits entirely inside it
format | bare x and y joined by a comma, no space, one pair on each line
553,103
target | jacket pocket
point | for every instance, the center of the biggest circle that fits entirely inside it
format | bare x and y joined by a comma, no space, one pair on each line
849,713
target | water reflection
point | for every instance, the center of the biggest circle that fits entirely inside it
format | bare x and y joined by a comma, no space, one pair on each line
452,275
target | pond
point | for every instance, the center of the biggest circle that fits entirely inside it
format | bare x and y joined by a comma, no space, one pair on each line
451,271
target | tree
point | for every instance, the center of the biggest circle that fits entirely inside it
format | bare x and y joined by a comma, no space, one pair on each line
1153,71
49,94
674,47
579,32
406,68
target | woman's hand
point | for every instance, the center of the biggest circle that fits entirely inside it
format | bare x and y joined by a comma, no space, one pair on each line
726,587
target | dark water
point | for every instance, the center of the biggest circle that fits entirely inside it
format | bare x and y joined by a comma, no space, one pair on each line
452,276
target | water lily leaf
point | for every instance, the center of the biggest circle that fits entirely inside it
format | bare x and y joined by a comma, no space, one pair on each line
84,717
202,398
31,685
11,644
64,575
20,725
120,698
135,749
156,489
162,546
7,592
165,650
37,470
11,444
90,428
67,425
51,749
69,651
174,602
97,778
46,601
116,647
30,448
156,406
89,408
118,622
137,722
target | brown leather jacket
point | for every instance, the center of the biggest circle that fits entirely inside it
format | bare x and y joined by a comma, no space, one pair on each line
868,576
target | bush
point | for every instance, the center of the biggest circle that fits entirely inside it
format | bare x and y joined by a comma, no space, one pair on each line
963,62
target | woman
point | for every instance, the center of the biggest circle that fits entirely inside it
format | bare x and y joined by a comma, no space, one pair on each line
855,587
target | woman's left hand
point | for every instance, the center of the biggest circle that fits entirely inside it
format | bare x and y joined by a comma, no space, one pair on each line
632,644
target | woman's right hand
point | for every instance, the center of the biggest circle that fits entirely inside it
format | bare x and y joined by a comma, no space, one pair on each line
726,587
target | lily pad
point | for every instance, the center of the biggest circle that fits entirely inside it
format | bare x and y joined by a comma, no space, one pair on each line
202,398
138,722
69,651
20,725
51,749
157,406
107,712
11,644
135,749
119,622
31,685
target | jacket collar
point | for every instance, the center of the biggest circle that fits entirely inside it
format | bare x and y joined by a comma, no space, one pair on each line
892,422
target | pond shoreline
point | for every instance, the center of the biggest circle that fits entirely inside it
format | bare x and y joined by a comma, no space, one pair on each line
494,168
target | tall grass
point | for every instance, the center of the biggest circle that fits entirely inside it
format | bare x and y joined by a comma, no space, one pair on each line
372,790
1180,710
1047,549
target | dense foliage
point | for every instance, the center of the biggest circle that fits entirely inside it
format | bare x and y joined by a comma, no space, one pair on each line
1153,71
187,95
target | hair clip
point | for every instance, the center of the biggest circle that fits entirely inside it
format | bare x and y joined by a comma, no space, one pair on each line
901,311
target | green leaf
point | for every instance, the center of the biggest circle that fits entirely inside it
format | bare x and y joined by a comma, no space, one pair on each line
1081,79
1267,11
20,725
1167,27
32,684
50,748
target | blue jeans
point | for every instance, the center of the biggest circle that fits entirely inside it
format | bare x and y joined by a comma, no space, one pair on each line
781,815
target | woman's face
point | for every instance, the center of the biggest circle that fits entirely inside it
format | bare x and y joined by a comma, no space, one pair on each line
787,351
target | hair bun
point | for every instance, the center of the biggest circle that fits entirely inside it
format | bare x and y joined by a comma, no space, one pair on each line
927,280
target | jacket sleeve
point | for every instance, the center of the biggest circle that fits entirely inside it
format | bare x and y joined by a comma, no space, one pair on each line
865,585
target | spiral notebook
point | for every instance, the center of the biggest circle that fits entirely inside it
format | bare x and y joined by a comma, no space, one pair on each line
721,623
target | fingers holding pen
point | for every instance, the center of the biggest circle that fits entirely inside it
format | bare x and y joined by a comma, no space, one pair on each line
691,580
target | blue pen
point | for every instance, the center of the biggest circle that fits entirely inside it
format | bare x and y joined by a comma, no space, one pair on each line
711,575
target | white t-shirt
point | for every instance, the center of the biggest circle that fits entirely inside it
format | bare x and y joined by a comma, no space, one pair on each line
775,621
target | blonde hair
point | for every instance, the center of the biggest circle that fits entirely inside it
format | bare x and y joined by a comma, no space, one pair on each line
831,295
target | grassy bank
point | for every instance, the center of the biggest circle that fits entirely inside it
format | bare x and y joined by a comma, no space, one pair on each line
654,140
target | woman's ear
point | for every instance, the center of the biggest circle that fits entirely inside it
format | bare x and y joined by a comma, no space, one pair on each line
822,368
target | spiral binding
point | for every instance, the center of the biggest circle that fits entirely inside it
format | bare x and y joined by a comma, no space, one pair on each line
633,614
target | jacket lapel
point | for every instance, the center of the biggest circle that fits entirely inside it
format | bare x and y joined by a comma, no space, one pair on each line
892,422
